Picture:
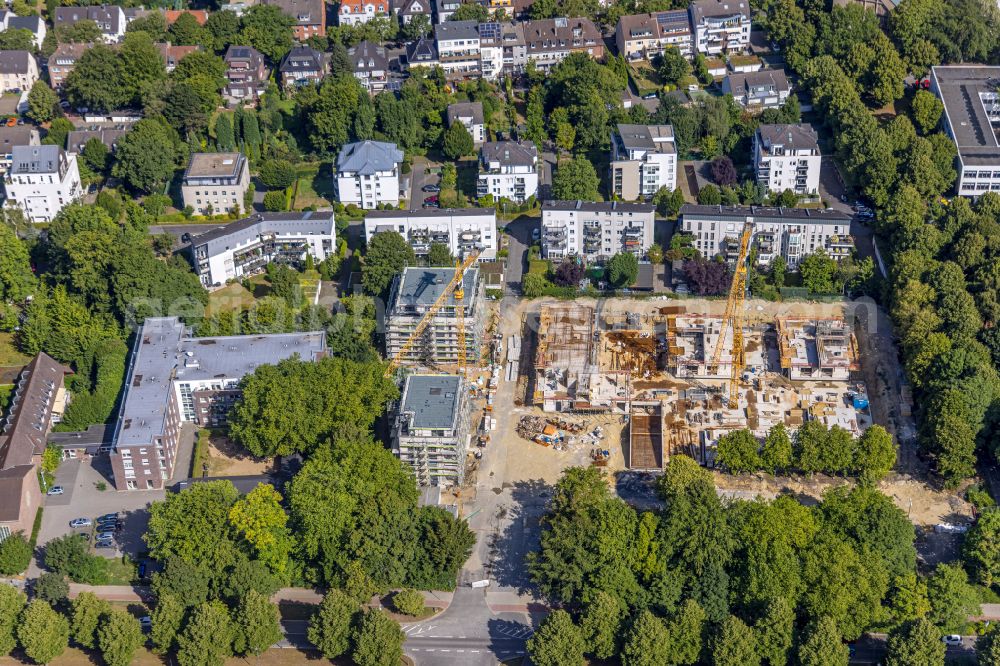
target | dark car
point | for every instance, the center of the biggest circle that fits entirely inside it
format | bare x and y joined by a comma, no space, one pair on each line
106,517
431,188
104,544
142,570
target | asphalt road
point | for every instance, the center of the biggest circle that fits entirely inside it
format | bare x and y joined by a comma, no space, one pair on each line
418,178
518,239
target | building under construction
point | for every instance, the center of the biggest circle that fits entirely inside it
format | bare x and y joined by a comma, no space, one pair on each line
816,349
431,428
413,295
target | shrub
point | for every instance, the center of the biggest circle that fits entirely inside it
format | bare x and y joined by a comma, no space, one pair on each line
277,174
408,602
275,201
15,554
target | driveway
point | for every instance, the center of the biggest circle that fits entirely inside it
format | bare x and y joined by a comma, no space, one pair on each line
831,188
519,237
418,178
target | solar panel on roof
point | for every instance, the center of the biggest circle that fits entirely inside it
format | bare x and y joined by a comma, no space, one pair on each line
489,31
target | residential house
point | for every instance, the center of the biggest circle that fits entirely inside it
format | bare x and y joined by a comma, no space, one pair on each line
41,181
174,54
370,66
18,71
368,174
110,19
245,247
550,41
309,16
34,402
302,66
791,233
422,53
431,428
62,62
356,12
175,378
643,160
508,170
971,119
491,49
458,48
720,26
511,41
787,157
215,182
108,134
407,9
462,230
756,91
443,9
643,36
882,8
469,114
596,231
246,74
33,24
171,15
19,135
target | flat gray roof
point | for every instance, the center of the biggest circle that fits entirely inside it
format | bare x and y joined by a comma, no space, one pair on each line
599,206
456,30
164,352
368,157
305,223
429,212
220,165
765,214
960,88
432,399
420,287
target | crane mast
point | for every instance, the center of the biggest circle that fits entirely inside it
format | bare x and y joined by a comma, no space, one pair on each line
733,317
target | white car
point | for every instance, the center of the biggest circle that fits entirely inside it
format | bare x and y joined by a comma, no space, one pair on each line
55,490
952,639
80,522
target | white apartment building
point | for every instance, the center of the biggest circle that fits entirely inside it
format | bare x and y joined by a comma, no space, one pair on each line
42,180
431,430
356,12
368,174
215,182
509,170
18,71
642,36
458,48
756,91
247,246
596,231
792,233
462,230
971,118
643,159
787,157
720,26
469,114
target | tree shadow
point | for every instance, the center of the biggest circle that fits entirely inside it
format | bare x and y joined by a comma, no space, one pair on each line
516,531
508,637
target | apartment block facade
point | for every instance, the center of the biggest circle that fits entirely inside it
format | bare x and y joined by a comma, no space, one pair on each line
971,119
18,71
215,182
643,159
791,233
787,157
756,91
643,36
596,231
720,26
469,114
247,246
42,180
174,378
412,295
431,431
462,230
508,170
368,174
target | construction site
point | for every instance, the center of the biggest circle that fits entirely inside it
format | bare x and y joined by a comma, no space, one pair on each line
675,378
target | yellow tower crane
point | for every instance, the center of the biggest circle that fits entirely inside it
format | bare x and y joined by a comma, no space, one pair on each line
453,287
733,317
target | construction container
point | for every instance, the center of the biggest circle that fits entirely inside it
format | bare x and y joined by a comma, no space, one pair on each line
860,402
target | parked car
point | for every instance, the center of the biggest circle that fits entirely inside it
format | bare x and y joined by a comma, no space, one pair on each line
142,570
145,622
55,490
536,234
431,199
108,527
81,522
104,544
431,204
952,639
105,536
431,188
106,517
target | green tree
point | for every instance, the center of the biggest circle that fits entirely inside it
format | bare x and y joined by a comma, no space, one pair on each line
141,66
330,627
43,103
623,270
576,179
57,132
17,39
387,255
96,155
981,548
817,271
224,133
927,110
168,618
51,587
277,174
12,602
88,611
440,255
558,642
875,454
987,648
275,201
687,633
224,27
153,24
673,67
734,644
119,638
457,141
776,454
98,80
260,518
191,525
737,452
952,599
916,643
15,551
601,624
822,645
81,32
186,31
42,632
145,158
16,277
68,555
267,29
208,637
647,642
408,602
258,624
377,641
774,632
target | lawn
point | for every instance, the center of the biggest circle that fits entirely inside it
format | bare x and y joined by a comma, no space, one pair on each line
314,186
120,573
9,356
644,77
467,174
229,298
309,281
